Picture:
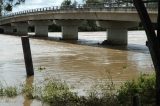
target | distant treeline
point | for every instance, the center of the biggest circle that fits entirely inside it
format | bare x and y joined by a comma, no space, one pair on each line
90,25
87,26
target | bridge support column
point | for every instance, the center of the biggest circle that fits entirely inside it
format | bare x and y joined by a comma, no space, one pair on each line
69,28
41,27
117,31
7,29
117,36
22,28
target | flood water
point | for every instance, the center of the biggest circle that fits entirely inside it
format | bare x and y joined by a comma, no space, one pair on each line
78,63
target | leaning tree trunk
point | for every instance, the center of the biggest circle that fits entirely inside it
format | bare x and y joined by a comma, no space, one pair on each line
153,42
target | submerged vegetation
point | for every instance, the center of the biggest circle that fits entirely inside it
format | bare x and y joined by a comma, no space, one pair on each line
144,86
8,91
58,93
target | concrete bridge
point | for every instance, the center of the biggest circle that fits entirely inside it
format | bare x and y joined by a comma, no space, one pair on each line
116,19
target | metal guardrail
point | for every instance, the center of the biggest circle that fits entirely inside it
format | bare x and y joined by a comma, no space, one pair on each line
80,7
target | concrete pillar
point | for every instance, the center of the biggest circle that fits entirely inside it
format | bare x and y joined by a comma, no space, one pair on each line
22,28
41,27
117,31
70,32
69,28
117,36
7,29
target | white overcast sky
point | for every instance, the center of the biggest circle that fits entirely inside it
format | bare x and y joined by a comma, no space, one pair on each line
31,4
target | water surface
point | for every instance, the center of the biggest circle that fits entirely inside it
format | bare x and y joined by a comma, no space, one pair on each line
79,63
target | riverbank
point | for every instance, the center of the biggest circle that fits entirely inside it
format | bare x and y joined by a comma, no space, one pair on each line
57,93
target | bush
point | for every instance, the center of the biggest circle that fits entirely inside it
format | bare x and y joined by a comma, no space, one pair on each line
57,93
144,86
10,91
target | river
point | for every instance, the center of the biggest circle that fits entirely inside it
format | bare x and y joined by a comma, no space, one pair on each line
80,63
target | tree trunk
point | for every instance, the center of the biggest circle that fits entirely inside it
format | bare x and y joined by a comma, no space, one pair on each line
153,42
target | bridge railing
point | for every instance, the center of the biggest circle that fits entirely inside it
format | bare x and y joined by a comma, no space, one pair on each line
81,7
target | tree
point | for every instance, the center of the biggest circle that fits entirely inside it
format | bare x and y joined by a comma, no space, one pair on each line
74,4
68,4
7,5
153,42
92,1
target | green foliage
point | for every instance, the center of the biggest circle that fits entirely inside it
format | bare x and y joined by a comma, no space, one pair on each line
66,3
102,95
92,1
90,25
1,89
57,93
7,5
28,91
143,86
10,91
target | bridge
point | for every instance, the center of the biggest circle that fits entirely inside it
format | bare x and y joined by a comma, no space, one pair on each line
115,18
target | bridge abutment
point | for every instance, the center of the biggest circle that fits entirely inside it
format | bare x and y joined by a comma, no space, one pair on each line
117,31
69,28
22,28
41,27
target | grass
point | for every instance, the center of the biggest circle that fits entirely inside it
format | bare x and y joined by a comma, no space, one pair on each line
57,93
144,86
9,91
28,91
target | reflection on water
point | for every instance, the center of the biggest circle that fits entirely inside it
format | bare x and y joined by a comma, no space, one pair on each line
79,63
29,83
22,100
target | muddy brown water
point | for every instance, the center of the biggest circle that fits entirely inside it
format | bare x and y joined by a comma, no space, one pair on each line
80,63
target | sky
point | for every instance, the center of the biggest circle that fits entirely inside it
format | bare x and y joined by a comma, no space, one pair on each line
31,4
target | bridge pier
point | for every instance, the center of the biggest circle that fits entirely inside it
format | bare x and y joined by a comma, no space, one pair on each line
7,29
22,28
69,28
41,27
117,36
117,31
